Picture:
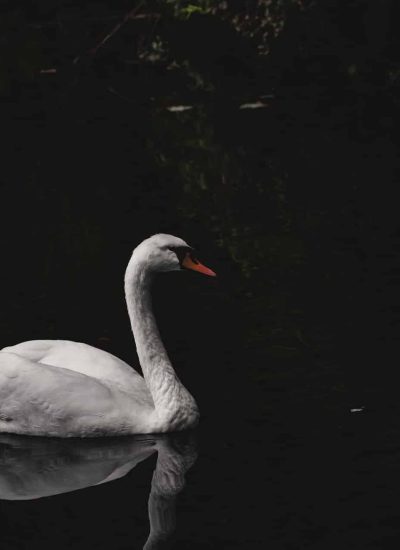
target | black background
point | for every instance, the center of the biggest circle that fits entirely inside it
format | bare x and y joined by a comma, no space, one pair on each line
293,205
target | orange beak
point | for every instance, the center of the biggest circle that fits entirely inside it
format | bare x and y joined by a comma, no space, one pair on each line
195,265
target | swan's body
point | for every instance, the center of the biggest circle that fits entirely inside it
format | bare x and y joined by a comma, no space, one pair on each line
69,389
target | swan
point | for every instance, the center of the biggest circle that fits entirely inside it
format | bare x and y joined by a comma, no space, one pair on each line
61,388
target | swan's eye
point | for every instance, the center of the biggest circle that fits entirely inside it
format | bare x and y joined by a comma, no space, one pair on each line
188,260
181,252
193,258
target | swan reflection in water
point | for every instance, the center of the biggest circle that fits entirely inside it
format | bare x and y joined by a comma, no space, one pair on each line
33,467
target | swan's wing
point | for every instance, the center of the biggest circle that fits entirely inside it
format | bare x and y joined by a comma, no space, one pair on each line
82,358
38,399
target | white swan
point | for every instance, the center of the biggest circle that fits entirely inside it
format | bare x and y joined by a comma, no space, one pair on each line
69,389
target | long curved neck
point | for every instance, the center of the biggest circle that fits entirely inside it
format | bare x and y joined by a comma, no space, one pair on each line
170,397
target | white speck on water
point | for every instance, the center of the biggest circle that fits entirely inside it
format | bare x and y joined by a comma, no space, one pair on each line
255,105
357,410
179,108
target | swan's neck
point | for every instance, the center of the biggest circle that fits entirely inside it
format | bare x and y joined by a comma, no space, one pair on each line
174,405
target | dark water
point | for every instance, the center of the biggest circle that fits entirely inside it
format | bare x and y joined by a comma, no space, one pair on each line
292,352
272,465
282,484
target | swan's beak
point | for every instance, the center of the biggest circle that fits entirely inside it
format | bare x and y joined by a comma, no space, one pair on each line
195,265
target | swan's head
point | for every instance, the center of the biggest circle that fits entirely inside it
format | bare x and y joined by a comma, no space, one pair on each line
164,252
